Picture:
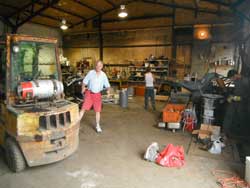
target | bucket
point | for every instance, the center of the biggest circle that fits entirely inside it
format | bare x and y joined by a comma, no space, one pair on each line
131,91
123,97
210,103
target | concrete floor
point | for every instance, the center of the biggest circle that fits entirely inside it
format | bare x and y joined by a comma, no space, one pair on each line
113,159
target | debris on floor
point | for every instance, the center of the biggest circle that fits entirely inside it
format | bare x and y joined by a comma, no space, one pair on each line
210,138
86,178
170,156
229,180
206,131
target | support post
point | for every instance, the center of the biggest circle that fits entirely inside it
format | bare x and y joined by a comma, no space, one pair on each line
100,38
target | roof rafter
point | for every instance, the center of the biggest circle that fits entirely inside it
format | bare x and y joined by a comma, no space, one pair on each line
68,12
104,12
139,18
7,21
196,7
47,25
41,14
8,5
53,18
24,8
110,2
174,5
64,11
37,12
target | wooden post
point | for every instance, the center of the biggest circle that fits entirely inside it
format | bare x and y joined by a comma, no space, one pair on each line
100,38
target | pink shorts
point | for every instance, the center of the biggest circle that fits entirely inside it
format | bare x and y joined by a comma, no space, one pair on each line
92,99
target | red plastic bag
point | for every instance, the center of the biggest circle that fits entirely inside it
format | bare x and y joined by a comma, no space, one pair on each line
171,156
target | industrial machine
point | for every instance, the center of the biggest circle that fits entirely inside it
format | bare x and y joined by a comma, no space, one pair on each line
37,125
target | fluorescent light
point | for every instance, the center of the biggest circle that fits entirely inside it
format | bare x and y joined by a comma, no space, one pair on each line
64,26
122,12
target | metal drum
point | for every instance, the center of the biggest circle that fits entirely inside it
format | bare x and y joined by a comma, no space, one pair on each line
123,96
210,102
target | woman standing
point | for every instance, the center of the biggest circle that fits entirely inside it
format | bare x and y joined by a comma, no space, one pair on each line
149,91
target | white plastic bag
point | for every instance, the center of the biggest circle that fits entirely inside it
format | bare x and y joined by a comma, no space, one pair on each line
152,152
216,147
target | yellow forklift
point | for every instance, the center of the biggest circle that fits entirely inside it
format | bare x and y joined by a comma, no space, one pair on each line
37,125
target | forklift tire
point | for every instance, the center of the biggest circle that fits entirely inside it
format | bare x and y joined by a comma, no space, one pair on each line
14,156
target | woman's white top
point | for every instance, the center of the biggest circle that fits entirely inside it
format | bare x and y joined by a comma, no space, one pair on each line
149,79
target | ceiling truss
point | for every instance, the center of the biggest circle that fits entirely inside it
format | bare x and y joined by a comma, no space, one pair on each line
30,10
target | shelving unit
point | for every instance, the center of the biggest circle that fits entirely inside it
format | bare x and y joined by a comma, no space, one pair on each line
135,73
165,80
160,69
117,74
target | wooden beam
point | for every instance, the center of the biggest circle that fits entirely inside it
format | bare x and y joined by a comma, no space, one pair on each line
148,17
86,5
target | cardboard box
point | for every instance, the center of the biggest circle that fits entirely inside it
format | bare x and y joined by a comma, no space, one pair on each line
206,131
183,90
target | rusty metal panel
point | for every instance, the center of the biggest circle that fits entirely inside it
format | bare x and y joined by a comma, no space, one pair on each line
18,38
51,150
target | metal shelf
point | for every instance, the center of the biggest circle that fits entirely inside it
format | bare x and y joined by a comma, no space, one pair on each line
142,67
116,65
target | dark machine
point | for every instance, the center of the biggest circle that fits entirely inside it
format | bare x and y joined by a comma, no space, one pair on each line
73,88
